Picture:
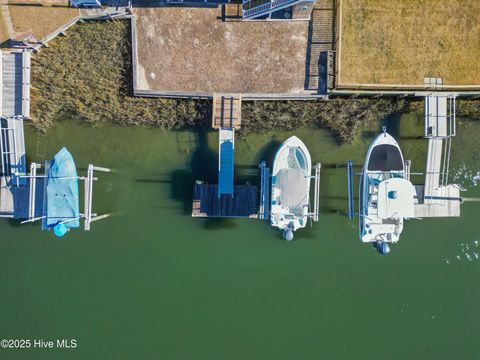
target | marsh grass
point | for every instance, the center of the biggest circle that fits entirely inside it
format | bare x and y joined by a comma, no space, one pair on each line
87,75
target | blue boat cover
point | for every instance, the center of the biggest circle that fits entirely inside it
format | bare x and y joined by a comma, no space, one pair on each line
225,181
62,192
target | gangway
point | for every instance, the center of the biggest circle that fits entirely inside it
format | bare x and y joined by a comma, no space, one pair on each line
226,149
14,108
438,198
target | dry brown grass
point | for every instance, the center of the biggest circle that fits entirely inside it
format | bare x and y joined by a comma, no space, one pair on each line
3,30
404,41
40,20
190,49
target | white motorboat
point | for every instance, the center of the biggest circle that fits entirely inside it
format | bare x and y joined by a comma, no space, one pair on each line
291,187
386,195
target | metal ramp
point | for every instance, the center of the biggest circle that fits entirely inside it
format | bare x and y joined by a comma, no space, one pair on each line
437,198
15,84
226,148
14,107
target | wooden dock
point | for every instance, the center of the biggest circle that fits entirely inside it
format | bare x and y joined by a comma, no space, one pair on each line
227,111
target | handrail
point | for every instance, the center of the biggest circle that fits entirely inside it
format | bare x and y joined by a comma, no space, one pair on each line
265,8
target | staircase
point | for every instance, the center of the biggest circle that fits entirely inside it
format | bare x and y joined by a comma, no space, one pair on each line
320,45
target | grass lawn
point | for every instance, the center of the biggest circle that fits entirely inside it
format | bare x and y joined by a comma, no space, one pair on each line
40,20
403,41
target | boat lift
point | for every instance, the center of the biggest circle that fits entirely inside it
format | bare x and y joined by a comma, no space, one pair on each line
35,205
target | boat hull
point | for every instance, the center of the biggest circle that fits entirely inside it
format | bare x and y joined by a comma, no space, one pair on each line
384,161
291,185
62,192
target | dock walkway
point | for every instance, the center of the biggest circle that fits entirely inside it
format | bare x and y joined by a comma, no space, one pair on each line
14,107
437,198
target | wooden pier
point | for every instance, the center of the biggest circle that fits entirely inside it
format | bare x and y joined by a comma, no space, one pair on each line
227,111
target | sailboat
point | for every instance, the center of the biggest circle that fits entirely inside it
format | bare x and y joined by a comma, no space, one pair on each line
386,195
290,199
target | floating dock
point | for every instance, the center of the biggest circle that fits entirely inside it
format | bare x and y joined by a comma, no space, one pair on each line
437,198
225,199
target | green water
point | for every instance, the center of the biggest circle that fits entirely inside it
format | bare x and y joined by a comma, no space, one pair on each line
152,282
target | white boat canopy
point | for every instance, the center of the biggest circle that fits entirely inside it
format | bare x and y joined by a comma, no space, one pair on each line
396,197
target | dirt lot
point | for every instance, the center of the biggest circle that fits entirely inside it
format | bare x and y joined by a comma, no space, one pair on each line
191,50
402,42
40,20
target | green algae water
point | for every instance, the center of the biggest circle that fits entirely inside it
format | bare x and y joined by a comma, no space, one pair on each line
151,282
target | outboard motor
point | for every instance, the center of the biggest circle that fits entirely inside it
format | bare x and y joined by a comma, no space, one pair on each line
288,234
382,247
60,229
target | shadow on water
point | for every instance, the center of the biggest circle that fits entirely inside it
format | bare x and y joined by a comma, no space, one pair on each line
213,224
16,223
203,166
204,161
267,152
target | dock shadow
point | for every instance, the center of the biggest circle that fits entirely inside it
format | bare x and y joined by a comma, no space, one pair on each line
213,224
267,152
203,167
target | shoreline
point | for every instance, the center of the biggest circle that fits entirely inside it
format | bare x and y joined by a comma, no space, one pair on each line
88,76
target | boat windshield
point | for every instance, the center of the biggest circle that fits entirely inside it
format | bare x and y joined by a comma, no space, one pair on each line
300,158
385,157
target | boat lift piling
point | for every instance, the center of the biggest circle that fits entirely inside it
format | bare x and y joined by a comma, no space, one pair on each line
316,197
89,216
264,207
351,210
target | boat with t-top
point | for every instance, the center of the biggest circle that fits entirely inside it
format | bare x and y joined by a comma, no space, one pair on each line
386,194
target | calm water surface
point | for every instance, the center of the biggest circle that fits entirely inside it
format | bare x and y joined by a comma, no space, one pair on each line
152,282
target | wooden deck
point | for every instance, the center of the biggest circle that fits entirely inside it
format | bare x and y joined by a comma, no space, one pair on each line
321,43
227,111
